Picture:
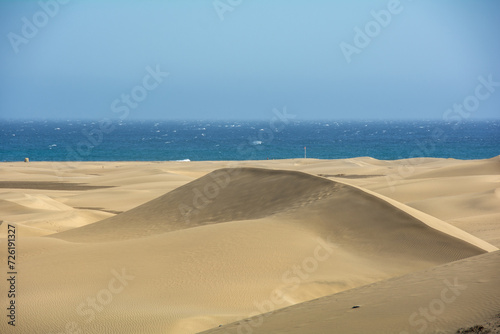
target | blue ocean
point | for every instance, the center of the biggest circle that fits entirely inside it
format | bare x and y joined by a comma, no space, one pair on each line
107,140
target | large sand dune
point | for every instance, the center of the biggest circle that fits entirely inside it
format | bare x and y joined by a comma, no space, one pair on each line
206,245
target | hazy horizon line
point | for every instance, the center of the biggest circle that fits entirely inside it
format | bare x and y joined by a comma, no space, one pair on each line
249,119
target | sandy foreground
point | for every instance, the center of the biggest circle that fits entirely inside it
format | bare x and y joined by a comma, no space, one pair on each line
286,246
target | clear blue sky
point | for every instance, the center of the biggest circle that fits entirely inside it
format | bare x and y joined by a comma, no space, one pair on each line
246,57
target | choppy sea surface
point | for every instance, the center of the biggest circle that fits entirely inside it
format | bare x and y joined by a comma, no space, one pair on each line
85,140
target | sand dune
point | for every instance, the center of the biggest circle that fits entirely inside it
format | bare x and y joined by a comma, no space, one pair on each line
43,215
251,193
438,300
463,168
221,196
189,254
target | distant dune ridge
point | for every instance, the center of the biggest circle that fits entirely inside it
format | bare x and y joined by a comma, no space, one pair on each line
237,242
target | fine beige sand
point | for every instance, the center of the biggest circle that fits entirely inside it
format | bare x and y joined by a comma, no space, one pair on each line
184,247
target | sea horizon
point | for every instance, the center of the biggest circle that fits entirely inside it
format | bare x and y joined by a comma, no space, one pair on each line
219,140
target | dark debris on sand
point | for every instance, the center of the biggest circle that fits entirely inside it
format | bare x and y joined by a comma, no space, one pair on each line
491,326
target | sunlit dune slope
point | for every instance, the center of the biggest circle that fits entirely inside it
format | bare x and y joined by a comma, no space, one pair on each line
438,300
